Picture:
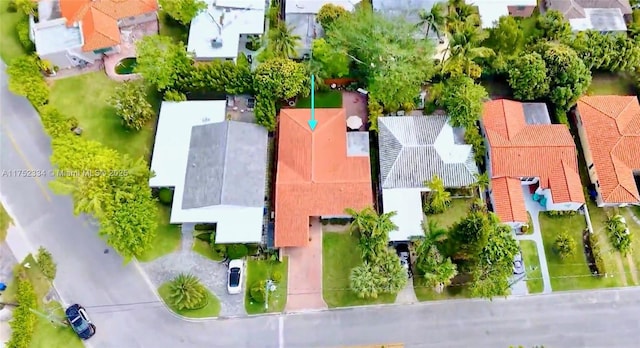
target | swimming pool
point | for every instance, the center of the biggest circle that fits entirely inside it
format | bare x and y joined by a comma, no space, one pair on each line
126,66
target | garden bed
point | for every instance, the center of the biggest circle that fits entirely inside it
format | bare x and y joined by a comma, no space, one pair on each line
259,270
211,309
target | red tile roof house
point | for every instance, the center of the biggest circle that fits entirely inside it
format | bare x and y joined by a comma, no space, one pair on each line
320,173
609,130
527,155
73,33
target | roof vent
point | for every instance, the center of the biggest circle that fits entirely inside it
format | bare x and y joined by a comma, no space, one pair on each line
216,43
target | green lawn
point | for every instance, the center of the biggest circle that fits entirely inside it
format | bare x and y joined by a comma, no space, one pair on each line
203,248
458,209
339,255
572,273
167,238
425,293
609,83
10,46
5,220
258,270
86,97
329,99
212,309
531,262
47,335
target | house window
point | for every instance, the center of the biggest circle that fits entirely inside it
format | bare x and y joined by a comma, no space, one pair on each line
527,179
590,166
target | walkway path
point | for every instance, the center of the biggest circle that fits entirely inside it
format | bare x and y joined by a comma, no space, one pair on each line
408,294
534,208
211,273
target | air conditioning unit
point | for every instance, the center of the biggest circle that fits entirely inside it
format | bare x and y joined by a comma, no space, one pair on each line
216,43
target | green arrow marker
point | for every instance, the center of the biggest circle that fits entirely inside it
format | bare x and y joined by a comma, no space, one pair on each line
313,122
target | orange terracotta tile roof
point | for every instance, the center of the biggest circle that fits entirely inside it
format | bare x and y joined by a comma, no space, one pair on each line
508,199
545,151
314,175
612,125
99,18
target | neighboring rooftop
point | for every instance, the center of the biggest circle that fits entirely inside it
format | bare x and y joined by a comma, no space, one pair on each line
415,148
99,18
612,126
519,149
572,9
55,36
305,26
215,32
314,6
407,9
600,15
491,10
315,175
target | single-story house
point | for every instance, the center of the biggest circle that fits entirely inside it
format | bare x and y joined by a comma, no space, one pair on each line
412,150
609,130
300,15
529,156
320,173
599,15
72,33
217,169
224,28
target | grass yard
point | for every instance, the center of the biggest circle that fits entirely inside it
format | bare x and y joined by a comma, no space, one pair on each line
425,293
212,309
10,46
5,221
631,262
47,335
572,273
531,262
609,83
339,255
86,97
458,209
329,99
167,239
203,248
258,270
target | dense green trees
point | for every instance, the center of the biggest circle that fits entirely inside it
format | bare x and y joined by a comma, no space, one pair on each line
24,320
436,269
528,77
162,62
130,102
219,76
553,26
433,19
608,52
183,11
507,37
25,79
465,49
463,100
283,43
494,265
329,13
328,62
438,198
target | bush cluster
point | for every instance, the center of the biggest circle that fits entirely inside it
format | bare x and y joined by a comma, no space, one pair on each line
597,254
165,196
558,213
24,321
22,29
45,261
258,291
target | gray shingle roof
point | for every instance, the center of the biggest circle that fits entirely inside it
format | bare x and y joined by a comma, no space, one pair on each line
227,165
414,148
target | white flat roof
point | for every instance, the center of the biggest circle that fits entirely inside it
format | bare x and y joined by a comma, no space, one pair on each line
225,24
600,19
171,148
491,10
314,6
407,203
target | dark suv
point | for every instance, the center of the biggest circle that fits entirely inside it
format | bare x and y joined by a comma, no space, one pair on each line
80,322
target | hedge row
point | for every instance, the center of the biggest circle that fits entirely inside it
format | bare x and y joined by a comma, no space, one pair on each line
597,254
557,213
24,321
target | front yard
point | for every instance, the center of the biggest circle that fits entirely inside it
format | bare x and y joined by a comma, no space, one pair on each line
259,270
532,265
329,99
459,289
340,254
167,238
573,273
86,97
458,209
211,309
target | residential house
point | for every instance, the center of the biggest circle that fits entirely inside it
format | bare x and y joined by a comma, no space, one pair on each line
600,15
217,169
609,130
529,156
320,173
70,33
412,150
224,28
300,15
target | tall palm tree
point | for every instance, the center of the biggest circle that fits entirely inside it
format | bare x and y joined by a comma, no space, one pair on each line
434,19
465,46
282,41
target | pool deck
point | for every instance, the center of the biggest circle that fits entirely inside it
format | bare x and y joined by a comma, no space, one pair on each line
128,37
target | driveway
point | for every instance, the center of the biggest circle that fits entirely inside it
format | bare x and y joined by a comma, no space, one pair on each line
305,273
408,294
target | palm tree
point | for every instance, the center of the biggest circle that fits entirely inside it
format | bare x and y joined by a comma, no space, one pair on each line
186,292
434,19
430,263
283,42
465,46
482,181
374,230
459,14
364,281
438,198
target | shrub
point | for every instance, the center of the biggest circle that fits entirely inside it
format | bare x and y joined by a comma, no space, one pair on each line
524,228
237,251
276,276
597,254
22,28
186,292
174,96
258,291
165,196
564,245
25,79
619,234
559,213
220,249
24,321
131,104
204,236
11,6
205,227
55,123
252,249
46,263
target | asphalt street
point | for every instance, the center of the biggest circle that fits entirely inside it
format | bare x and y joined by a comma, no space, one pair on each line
127,313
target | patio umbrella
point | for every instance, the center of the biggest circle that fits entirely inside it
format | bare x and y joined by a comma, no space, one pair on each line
354,122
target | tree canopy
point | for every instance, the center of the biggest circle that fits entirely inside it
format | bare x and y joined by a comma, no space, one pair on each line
328,62
162,62
183,11
553,26
329,13
463,100
25,79
528,77
281,78
130,102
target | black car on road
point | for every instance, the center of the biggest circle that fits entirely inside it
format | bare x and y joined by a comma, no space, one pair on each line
80,322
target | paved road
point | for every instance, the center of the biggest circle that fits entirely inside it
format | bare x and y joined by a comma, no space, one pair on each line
88,276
